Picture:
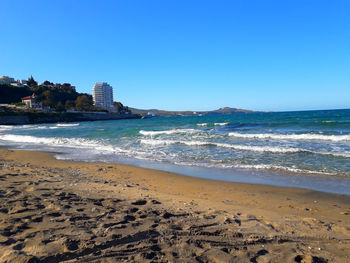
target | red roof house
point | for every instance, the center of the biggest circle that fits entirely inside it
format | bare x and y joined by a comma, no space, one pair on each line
31,102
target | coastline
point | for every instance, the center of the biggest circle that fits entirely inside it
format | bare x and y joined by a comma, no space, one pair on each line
23,118
187,218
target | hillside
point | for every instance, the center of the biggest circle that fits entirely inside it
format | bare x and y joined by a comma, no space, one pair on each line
163,113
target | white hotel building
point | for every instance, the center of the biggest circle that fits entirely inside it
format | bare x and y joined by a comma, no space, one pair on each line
102,94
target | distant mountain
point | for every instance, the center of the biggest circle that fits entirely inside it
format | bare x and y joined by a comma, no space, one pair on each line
228,110
163,113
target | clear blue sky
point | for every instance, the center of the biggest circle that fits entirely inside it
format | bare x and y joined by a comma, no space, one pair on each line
186,54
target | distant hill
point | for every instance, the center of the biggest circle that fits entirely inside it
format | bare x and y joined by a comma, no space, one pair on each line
163,113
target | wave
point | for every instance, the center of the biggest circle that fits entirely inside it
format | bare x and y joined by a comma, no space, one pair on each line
47,140
67,125
256,167
221,123
37,127
271,149
153,133
305,136
80,143
5,128
279,168
215,124
224,145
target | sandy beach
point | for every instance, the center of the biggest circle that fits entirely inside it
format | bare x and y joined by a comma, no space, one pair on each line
59,211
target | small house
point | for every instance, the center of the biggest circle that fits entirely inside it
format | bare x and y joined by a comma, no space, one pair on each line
31,102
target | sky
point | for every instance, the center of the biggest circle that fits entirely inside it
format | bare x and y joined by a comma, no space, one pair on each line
185,54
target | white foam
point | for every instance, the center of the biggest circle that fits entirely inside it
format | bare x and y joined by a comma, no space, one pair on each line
5,128
67,124
308,136
224,145
280,168
26,127
38,128
221,123
337,154
153,133
81,143
254,167
156,142
215,124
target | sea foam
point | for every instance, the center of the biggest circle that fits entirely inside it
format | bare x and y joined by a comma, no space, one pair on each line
224,145
67,124
81,143
257,167
215,124
280,168
153,133
5,128
305,136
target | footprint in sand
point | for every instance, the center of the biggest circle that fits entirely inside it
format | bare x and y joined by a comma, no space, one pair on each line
140,202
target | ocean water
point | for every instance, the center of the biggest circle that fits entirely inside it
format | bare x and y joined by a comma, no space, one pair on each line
302,149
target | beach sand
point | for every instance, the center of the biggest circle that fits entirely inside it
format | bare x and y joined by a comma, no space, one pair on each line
54,211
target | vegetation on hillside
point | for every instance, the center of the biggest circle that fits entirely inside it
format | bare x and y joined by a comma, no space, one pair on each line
10,94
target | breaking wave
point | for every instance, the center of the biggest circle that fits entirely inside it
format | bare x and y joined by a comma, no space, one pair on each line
67,125
271,149
280,168
306,136
60,142
215,124
153,133
224,145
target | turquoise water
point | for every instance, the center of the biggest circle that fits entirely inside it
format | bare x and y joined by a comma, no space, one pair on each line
297,144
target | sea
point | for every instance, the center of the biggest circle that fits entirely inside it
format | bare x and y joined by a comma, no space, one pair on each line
304,149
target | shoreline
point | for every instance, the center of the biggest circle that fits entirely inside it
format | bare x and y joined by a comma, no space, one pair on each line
150,170
25,118
215,220
325,183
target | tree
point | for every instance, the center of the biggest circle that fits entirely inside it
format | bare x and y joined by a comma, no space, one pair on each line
83,103
48,83
47,99
118,106
31,82
11,94
69,105
59,107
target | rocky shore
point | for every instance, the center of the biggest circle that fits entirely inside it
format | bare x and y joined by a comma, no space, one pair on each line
16,118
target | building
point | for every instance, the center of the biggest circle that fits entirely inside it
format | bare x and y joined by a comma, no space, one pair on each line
6,80
16,84
102,94
30,102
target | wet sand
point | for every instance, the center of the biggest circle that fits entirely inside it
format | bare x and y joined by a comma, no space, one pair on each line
59,211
